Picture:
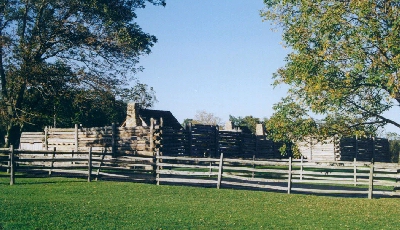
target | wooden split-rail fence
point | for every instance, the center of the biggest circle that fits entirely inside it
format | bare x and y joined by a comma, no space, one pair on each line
350,178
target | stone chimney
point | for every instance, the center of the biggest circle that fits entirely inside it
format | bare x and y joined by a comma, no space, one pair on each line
229,126
260,130
132,115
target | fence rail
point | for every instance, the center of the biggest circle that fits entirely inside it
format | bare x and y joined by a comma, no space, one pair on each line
286,175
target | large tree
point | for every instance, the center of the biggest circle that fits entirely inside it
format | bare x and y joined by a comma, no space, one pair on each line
50,47
344,62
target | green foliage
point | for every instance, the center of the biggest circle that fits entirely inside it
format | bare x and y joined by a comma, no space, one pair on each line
55,203
141,94
91,108
51,48
248,121
289,124
186,122
345,59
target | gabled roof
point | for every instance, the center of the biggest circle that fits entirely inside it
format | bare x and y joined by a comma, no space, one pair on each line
168,119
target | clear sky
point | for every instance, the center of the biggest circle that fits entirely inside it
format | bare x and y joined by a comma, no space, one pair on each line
214,55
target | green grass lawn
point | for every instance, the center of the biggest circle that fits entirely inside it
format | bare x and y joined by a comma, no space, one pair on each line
60,203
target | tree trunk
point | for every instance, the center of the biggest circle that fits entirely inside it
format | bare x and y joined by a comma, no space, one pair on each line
13,135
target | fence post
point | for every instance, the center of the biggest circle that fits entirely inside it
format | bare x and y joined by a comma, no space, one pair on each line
76,138
355,171
220,171
90,165
290,176
311,144
151,136
46,141
12,166
254,166
9,163
217,150
334,149
52,160
159,143
210,170
101,163
373,148
189,131
356,153
371,180
158,168
113,141
301,168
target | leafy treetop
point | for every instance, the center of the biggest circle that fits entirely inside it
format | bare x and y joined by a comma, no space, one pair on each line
49,47
344,62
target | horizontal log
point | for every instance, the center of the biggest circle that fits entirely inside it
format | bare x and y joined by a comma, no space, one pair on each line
52,160
393,166
187,166
58,141
61,136
55,167
72,171
327,178
18,151
329,191
186,173
92,139
134,158
280,171
128,164
258,162
331,182
387,193
30,141
255,179
122,169
385,183
144,153
95,150
188,159
327,173
181,180
325,166
61,130
31,133
28,138
384,175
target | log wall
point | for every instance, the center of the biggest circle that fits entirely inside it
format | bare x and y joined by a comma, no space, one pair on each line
121,140
207,140
199,141
346,149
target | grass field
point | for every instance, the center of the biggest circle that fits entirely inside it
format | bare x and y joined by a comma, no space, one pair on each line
60,203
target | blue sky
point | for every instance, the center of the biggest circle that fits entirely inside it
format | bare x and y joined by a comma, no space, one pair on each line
216,56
